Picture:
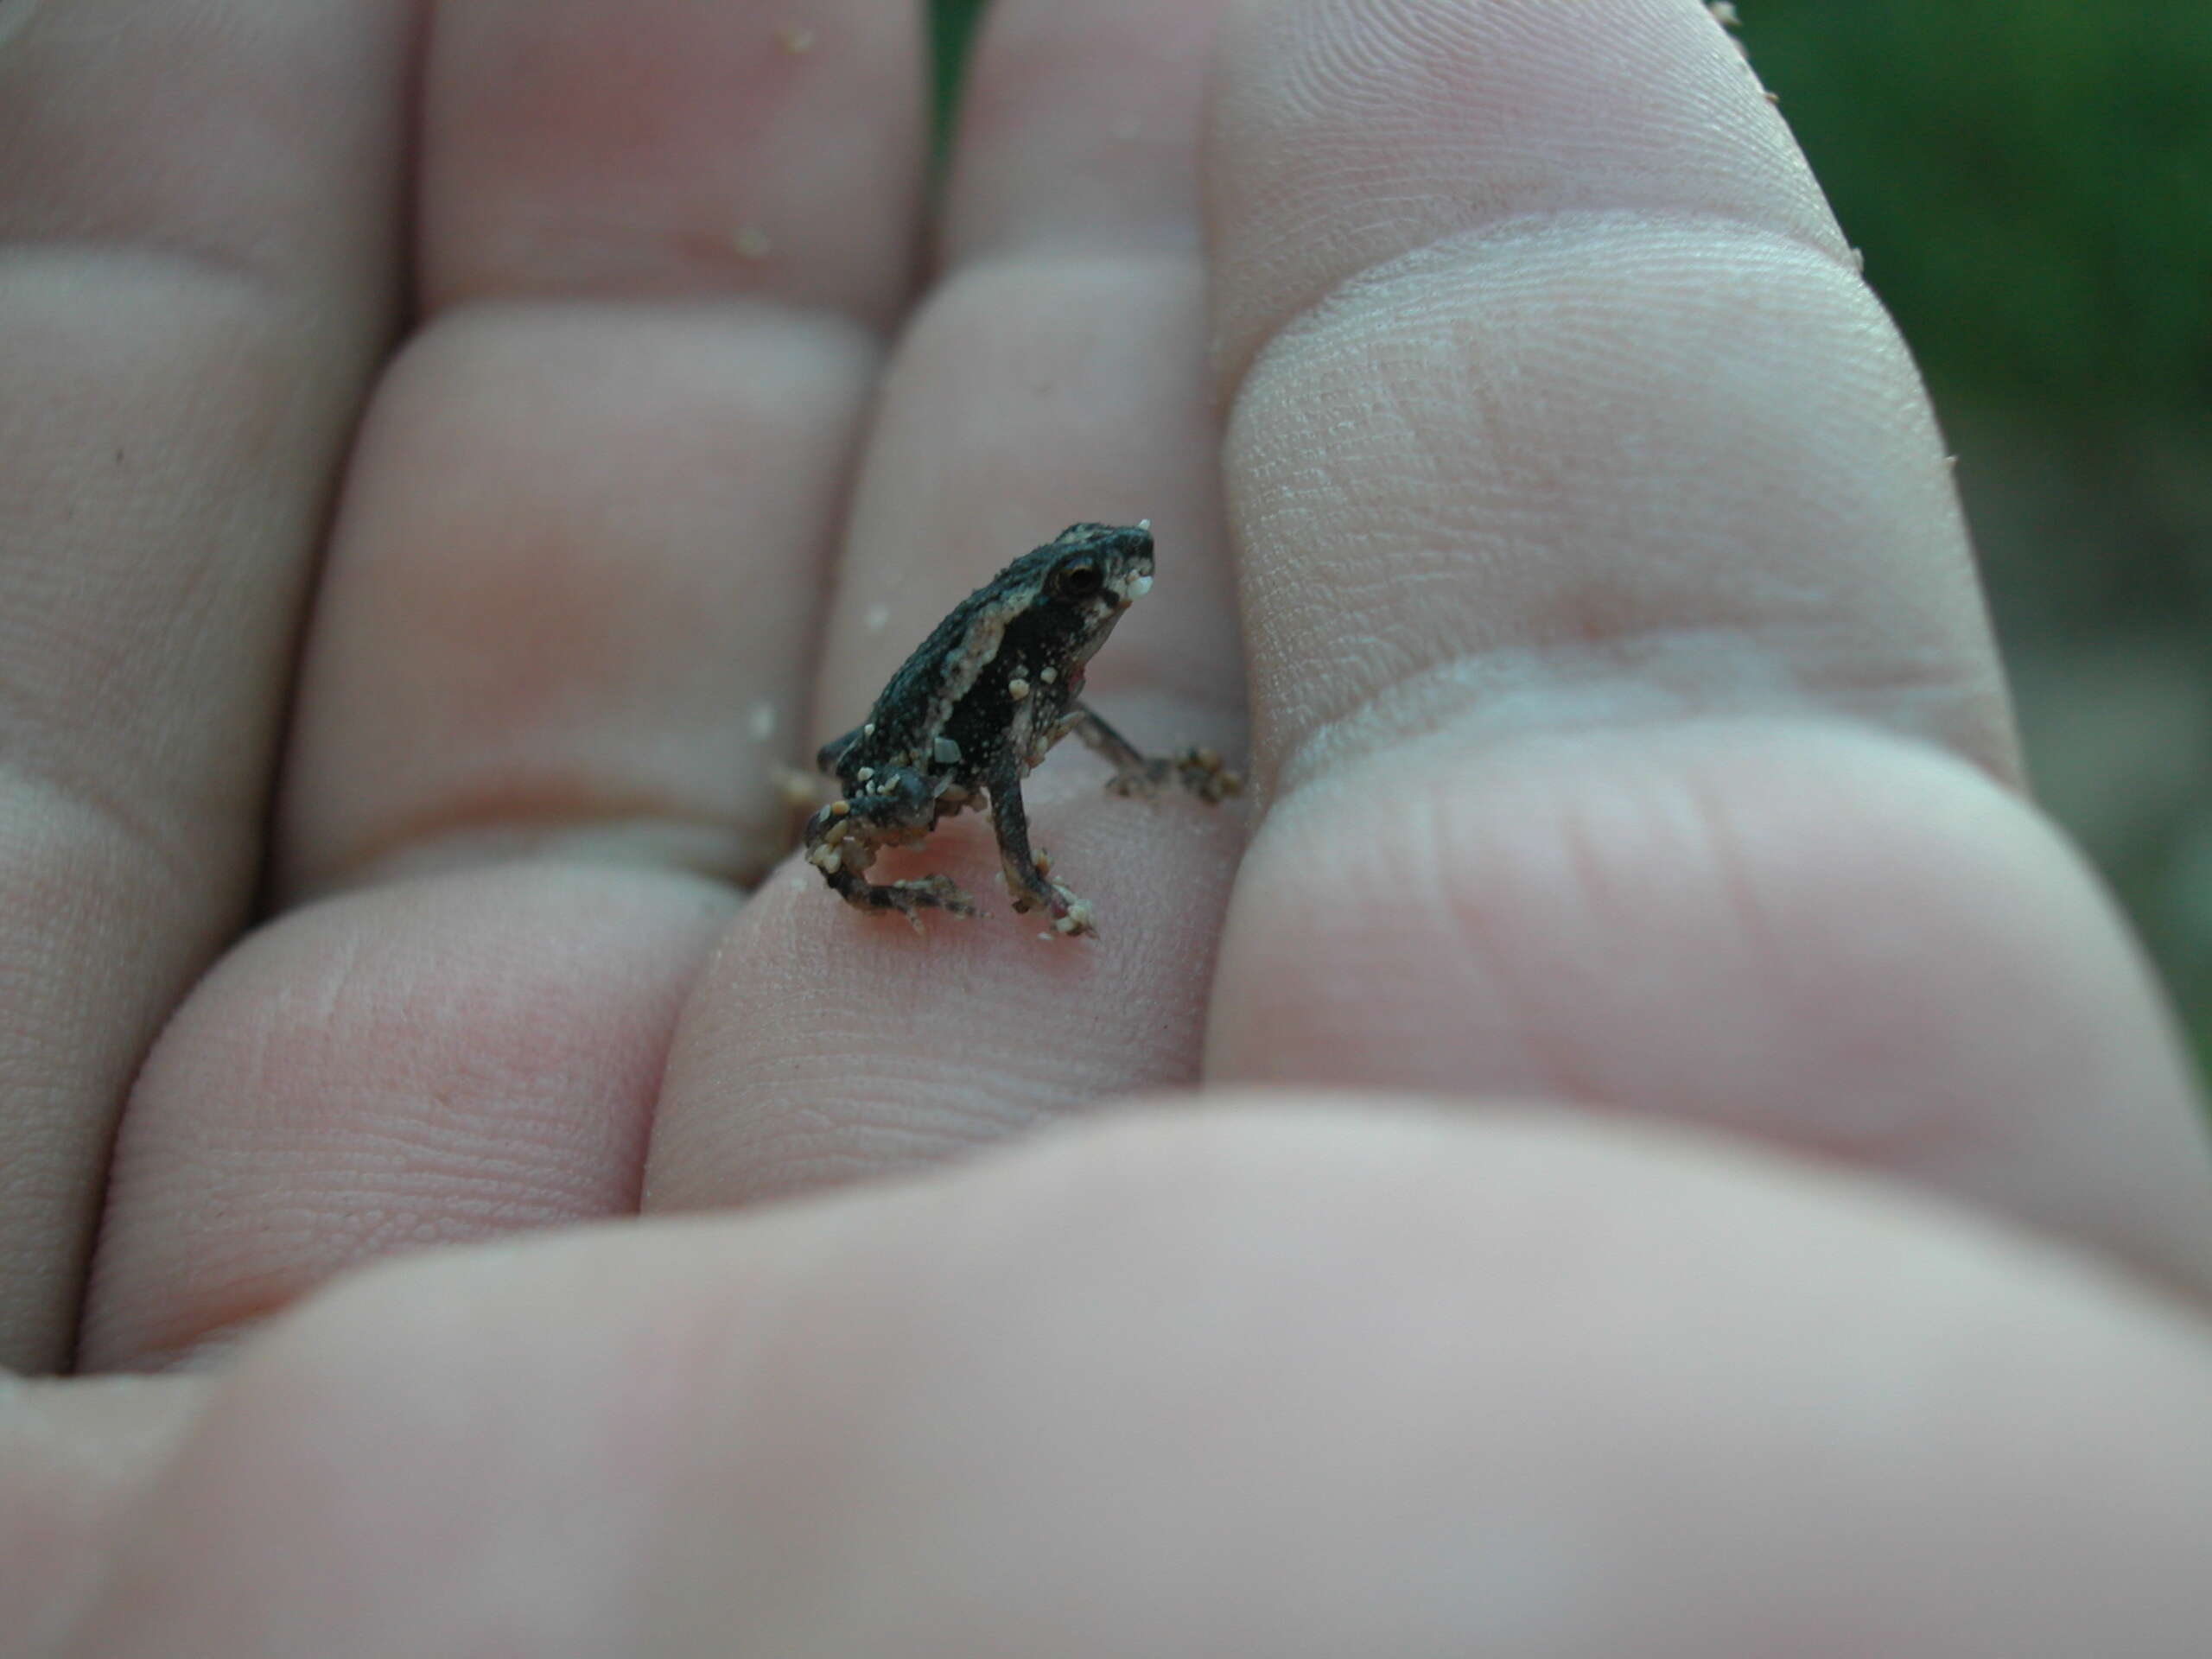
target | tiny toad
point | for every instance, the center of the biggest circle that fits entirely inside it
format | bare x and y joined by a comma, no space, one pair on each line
978,704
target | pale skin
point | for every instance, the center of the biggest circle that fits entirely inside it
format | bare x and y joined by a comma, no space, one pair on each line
1652,1146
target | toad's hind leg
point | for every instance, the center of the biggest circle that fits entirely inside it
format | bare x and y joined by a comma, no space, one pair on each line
1025,871
909,898
1199,770
844,857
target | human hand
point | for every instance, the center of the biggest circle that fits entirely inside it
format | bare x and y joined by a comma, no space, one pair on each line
1636,841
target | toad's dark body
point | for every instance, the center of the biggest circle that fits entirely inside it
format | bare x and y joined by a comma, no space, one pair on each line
979,703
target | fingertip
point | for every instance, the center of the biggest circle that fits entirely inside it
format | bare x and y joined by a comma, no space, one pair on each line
1078,130
579,147
1346,133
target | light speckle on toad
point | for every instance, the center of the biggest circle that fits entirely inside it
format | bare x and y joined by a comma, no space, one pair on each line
980,703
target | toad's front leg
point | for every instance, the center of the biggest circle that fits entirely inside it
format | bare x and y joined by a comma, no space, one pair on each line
1025,872
1199,770
841,841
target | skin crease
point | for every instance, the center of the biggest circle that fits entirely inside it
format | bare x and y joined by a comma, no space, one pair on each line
1648,1144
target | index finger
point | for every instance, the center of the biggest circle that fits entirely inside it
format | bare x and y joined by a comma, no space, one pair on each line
1623,691
1055,373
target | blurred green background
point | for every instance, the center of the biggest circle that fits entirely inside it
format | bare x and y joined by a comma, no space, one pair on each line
2032,183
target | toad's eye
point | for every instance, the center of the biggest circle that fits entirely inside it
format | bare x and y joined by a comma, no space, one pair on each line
1077,578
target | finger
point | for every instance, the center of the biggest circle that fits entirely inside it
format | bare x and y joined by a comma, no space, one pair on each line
1077,126
1610,412
572,594
1063,330
1124,1395
423,1062
576,582
1625,696
77,1459
1054,375
196,271
584,147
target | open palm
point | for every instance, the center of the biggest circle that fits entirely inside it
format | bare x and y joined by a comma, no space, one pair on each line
453,458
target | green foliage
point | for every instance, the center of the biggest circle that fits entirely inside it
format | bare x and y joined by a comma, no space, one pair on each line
2031,181
952,29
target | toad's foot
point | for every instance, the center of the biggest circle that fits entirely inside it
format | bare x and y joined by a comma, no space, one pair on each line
1073,917
909,898
922,893
1198,770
